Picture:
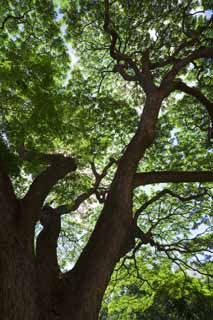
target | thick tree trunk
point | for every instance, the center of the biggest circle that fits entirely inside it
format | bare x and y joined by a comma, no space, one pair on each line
17,283
17,272
82,289
29,280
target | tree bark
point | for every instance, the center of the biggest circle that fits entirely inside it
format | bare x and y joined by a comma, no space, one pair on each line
82,289
17,268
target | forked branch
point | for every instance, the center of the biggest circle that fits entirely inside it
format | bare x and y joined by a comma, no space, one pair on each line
58,167
64,209
124,61
202,52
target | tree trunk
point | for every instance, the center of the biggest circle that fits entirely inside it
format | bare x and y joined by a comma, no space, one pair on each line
30,284
82,289
17,268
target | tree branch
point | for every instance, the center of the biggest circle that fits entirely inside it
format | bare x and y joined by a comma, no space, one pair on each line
46,255
46,243
160,195
144,76
185,44
196,93
147,238
177,260
8,199
64,209
202,52
145,178
18,19
59,167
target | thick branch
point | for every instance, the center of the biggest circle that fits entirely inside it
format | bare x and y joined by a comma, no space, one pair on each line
115,54
46,244
6,189
46,255
145,178
121,68
8,199
183,45
59,167
196,93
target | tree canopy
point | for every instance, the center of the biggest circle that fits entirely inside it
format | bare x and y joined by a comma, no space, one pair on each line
106,132
156,292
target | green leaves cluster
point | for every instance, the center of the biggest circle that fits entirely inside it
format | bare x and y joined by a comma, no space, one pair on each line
159,293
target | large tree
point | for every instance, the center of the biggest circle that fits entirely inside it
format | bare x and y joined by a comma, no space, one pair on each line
59,121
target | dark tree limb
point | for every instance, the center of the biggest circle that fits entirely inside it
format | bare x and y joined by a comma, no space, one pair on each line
6,187
65,209
59,167
202,52
121,68
146,178
185,44
46,243
180,261
168,249
196,93
46,256
145,237
7,196
116,54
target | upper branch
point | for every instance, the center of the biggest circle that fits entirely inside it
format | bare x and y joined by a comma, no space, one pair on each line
144,76
47,266
196,93
145,178
59,167
183,45
202,52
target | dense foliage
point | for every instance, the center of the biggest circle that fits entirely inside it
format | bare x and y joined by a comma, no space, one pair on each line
67,89
156,293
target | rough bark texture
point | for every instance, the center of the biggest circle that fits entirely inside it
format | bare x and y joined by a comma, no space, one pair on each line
17,267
